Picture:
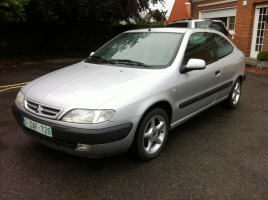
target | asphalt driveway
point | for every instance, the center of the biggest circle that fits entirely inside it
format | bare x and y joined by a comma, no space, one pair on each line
219,154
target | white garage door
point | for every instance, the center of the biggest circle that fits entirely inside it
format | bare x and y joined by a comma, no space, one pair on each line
226,12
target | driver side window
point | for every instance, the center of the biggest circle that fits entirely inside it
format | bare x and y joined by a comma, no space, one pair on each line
199,47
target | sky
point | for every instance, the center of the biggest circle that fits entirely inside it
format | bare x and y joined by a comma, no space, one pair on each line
168,6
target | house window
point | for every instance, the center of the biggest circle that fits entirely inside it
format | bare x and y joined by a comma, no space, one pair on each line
231,23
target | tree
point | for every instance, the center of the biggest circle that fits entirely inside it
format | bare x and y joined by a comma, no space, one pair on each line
12,10
90,10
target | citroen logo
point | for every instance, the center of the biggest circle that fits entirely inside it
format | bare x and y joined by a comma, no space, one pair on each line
39,109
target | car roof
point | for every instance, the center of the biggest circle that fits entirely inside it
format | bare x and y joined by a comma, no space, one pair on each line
160,30
195,20
171,30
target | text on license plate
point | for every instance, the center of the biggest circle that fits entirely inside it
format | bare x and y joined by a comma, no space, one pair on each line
38,127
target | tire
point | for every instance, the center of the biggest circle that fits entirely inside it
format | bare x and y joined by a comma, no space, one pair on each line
234,96
151,135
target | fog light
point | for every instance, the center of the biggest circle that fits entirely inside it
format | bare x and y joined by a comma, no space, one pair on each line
83,147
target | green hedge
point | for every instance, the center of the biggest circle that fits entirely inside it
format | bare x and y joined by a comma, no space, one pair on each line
27,40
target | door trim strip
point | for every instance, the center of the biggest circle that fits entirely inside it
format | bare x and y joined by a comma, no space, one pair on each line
205,95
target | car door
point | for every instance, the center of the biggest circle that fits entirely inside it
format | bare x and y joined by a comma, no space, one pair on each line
197,89
229,61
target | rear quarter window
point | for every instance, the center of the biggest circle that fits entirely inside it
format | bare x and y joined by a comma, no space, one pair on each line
223,46
217,26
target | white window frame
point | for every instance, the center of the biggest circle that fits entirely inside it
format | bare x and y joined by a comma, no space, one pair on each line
227,25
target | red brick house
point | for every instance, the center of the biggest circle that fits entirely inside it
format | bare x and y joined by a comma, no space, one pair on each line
181,9
243,18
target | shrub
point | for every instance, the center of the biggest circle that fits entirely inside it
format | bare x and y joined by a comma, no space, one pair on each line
262,56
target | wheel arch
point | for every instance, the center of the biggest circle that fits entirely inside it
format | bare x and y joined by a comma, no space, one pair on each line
241,79
165,105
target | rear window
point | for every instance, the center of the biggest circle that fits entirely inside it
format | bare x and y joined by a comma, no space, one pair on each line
179,25
217,26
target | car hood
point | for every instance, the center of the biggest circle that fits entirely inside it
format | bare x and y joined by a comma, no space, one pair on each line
85,85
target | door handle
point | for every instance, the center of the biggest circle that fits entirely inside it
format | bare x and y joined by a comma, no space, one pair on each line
217,74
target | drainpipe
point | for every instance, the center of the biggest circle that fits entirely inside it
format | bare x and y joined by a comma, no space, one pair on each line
192,8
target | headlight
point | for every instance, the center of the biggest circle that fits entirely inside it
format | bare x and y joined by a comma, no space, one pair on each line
88,116
20,99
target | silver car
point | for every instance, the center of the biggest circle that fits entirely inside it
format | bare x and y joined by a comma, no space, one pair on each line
131,92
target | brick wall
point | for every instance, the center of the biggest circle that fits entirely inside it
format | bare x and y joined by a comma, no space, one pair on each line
180,10
244,22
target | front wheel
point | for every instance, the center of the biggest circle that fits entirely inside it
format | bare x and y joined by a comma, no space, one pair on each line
151,135
234,96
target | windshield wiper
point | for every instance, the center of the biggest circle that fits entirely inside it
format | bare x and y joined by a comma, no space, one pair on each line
99,58
131,62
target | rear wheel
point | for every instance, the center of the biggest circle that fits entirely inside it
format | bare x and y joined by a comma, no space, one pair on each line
234,96
151,135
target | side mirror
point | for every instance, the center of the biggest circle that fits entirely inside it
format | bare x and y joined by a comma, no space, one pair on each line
193,64
91,54
196,64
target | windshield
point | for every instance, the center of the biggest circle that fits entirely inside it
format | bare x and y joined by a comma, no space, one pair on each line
139,49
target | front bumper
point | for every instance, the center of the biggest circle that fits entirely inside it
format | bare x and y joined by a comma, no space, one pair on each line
66,138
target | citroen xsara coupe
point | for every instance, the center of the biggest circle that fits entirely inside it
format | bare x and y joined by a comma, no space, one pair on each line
128,94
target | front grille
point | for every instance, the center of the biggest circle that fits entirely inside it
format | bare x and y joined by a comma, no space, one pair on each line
42,110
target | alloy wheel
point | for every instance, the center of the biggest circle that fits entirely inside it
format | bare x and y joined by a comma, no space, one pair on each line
154,134
236,93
